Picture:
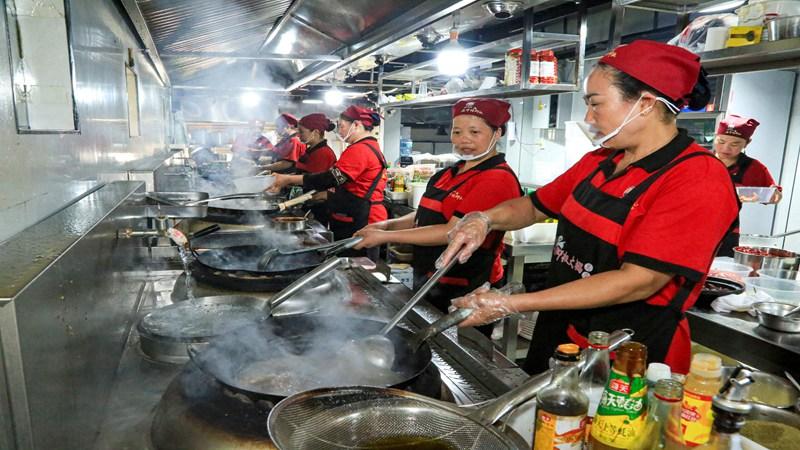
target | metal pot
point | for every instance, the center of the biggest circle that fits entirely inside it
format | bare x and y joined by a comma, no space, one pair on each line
783,28
770,315
289,223
766,258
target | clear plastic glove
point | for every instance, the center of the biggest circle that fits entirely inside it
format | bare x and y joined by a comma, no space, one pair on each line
468,234
489,305
383,225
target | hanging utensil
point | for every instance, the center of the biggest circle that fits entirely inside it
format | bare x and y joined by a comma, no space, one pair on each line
324,250
324,419
379,349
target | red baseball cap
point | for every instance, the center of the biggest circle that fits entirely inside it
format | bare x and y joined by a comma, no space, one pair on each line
366,116
737,126
316,121
286,119
493,111
666,68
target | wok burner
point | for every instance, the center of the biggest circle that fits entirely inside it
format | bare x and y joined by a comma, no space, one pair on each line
196,412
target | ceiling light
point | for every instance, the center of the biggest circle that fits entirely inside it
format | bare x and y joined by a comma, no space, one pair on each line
724,6
312,101
452,59
334,96
286,43
249,99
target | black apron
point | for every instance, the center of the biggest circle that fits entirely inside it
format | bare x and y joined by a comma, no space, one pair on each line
654,325
737,176
352,209
462,278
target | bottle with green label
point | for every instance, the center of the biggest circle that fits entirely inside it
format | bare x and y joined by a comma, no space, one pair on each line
622,411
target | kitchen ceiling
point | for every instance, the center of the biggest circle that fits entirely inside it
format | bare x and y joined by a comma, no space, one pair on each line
275,44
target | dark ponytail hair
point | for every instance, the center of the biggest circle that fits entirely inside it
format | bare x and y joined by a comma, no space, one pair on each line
701,93
331,126
631,89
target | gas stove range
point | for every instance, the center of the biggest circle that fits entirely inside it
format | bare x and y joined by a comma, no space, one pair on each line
164,406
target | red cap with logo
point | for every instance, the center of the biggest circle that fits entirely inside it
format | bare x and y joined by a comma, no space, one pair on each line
316,121
666,68
366,116
737,126
286,119
493,111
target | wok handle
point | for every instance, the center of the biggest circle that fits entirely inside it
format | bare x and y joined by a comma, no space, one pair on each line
445,322
498,408
205,231
296,201
328,266
342,245
412,302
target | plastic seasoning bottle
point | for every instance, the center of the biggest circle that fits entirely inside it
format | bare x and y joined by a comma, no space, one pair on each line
730,412
663,416
702,383
623,407
548,67
595,373
561,406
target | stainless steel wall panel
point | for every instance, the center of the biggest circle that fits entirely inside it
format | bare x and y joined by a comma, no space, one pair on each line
40,173
68,314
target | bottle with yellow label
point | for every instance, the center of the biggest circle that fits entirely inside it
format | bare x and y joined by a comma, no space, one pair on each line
561,406
702,383
623,407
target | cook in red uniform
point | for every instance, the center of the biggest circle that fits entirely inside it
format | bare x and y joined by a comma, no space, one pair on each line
319,157
480,181
252,144
289,149
357,179
639,218
734,133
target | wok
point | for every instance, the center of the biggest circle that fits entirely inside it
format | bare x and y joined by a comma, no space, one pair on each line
286,355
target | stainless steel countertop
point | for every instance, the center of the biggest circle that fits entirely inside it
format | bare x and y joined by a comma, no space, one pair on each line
739,336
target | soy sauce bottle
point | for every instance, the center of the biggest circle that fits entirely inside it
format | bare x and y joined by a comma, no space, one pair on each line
561,406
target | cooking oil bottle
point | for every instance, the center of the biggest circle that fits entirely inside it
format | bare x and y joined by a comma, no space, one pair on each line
561,406
663,424
730,412
702,383
623,406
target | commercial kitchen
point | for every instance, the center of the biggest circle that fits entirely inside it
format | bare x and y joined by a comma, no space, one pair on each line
153,291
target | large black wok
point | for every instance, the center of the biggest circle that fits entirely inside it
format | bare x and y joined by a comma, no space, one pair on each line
286,355
237,267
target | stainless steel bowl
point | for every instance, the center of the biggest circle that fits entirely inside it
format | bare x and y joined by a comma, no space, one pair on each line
770,258
289,223
786,27
770,315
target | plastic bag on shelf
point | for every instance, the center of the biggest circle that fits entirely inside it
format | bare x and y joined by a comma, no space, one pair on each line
693,37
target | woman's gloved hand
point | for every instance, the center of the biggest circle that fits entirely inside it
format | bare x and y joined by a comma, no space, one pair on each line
468,234
488,305
371,238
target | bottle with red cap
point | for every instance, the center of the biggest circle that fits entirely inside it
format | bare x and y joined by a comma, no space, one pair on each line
548,67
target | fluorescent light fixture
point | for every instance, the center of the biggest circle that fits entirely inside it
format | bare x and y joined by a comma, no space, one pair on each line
334,96
249,99
452,59
724,6
312,101
286,43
